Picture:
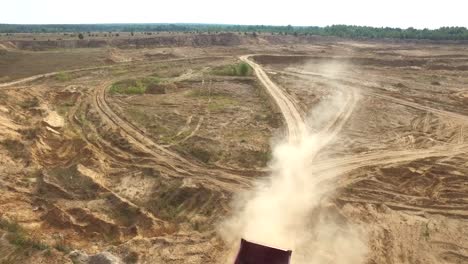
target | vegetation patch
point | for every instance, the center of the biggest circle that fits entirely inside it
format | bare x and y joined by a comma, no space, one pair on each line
239,69
17,236
63,76
134,86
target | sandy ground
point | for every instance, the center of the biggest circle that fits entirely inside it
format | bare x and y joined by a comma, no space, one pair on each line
149,177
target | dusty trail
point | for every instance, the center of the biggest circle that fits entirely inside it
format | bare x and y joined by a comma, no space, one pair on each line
294,121
329,169
385,157
291,112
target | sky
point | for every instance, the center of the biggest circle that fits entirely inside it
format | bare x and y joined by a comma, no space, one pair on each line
379,13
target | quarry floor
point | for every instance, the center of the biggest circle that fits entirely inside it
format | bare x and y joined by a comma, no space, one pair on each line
149,177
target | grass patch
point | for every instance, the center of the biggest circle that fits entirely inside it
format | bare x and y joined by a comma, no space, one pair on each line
134,86
17,236
63,77
239,69
62,246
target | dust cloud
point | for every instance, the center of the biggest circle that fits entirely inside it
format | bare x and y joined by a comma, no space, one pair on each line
289,210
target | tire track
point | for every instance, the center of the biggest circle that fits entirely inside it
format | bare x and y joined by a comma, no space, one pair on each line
162,155
303,74
294,121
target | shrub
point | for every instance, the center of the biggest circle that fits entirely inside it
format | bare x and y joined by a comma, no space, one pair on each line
63,76
240,69
17,236
30,103
133,86
201,154
244,69
80,36
62,246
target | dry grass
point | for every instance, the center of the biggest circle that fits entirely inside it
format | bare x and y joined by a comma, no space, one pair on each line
239,69
134,86
18,237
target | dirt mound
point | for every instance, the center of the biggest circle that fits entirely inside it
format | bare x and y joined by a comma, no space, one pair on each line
54,120
75,200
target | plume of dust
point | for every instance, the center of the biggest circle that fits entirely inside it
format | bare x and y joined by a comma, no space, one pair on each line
287,211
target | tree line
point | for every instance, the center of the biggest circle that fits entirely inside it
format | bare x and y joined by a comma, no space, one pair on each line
443,33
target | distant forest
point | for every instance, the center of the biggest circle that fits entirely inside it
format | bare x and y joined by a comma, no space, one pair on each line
443,33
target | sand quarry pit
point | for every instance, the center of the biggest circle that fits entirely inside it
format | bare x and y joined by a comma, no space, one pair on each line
343,151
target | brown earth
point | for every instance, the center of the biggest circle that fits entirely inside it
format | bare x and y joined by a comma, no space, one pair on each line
148,176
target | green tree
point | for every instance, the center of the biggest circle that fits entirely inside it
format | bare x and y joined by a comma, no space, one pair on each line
80,36
244,69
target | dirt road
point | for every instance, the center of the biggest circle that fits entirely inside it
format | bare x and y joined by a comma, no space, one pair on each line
294,121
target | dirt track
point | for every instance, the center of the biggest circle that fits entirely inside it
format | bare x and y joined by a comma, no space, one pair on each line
294,121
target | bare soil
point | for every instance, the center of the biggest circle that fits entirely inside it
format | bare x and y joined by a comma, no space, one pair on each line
149,176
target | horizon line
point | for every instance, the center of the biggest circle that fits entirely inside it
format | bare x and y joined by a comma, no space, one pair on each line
218,24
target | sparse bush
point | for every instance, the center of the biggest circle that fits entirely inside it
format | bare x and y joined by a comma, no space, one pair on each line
62,246
134,86
80,36
17,236
243,69
63,76
240,69
201,154
30,103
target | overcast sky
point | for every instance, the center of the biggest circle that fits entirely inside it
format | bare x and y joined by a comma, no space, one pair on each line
392,13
